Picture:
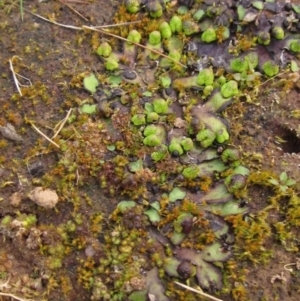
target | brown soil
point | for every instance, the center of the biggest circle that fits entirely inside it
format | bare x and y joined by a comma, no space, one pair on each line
53,57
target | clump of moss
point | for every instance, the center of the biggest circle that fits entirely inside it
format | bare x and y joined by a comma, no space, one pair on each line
191,172
165,30
154,135
155,8
190,27
111,64
138,119
205,77
278,32
270,68
209,35
294,46
155,38
175,147
160,106
239,65
104,50
176,24
230,89
132,6
206,137
264,38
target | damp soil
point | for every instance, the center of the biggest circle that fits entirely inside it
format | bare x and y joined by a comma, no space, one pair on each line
50,56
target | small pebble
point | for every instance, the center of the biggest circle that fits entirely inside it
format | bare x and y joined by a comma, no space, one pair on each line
10,133
46,198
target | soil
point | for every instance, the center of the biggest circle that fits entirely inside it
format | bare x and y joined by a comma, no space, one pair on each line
54,59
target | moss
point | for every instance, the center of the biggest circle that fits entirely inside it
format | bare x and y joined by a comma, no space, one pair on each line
152,117
133,6
230,89
294,46
165,30
84,157
138,119
206,137
160,106
176,24
175,147
270,68
239,65
264,38
154,8
155,38
191,172
209,35
134,36
187,144
104,50
111,64
205,77
160,153
190,27
155,135
199,15
251,235
278,32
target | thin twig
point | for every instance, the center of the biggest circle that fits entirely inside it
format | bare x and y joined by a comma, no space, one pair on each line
62,124
198,292
46,137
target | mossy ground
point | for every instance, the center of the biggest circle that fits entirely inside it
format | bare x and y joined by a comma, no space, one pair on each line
54,59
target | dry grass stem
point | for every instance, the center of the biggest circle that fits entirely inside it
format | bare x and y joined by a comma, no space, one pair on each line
56,23
81,28
296,264
7,286
78,1
198,292
136,44
14,297
73,9
273,77
16,75
62,123
115,25
288,265
46,137
98,29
